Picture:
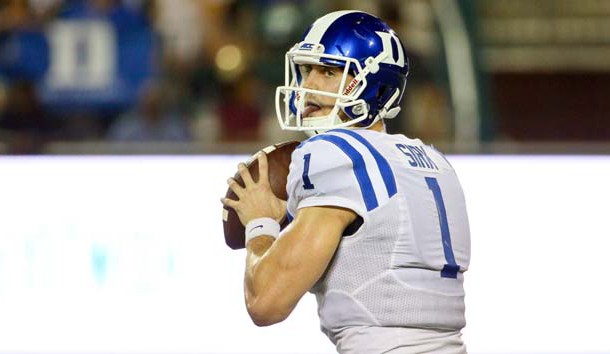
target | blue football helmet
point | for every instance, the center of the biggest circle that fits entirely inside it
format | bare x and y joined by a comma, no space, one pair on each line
368,50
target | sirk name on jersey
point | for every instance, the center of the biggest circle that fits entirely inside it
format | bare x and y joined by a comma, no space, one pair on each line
417,156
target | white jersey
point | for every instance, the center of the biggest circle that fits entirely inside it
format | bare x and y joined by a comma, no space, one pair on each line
404,266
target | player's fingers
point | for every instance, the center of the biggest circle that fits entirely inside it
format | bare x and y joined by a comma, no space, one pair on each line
229,202
245,174
263,167
235,187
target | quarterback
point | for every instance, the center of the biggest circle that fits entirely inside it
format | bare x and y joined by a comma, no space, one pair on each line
378,223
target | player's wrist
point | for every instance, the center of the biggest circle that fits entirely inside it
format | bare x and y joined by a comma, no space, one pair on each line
261,226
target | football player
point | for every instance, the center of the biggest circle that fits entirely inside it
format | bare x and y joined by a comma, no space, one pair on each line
379,230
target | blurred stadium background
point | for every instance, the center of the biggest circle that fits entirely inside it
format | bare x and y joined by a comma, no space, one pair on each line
120,121
198,76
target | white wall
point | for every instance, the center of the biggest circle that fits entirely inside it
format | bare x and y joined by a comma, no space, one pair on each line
126,254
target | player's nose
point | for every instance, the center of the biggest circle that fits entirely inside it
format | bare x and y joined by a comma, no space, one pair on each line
311,81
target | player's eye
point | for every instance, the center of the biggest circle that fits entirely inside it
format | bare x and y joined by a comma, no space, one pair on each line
330,72
304,69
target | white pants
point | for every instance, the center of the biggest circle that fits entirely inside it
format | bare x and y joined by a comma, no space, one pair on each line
398,340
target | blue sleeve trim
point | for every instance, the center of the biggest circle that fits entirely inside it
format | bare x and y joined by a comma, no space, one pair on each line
382,163
359,167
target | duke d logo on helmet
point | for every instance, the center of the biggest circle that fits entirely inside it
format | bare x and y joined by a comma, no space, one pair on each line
390,46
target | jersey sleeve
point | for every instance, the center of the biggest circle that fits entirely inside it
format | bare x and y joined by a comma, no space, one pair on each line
321,174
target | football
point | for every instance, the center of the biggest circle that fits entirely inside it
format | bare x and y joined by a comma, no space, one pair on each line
278,157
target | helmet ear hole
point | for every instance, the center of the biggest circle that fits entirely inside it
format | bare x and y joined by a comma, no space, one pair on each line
358,109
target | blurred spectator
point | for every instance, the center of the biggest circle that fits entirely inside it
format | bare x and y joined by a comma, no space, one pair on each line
191,32
22,14
23,45
24,127
151,120
182,30
14,14
117,11
101,52
427,110
239,111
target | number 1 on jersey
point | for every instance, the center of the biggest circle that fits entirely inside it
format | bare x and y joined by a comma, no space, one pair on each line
450,269
306,182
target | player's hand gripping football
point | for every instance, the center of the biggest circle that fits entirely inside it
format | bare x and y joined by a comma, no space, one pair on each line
256,199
